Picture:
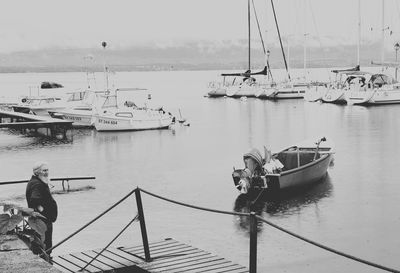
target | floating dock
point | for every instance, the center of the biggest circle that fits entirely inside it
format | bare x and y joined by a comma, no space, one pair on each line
168,255
26,123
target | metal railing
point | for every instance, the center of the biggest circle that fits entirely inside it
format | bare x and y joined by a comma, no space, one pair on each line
64,180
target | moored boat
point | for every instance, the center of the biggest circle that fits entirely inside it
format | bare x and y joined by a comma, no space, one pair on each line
380,89
129,116
293,167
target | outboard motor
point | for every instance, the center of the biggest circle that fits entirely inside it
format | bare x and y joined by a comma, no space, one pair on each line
251,175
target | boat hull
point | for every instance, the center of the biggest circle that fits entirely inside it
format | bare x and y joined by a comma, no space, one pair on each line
217,92
301,176
374,97
334,96
113,123
79,118
283,93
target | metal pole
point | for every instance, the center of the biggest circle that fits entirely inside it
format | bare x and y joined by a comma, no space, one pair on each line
142,226
253,243
396,64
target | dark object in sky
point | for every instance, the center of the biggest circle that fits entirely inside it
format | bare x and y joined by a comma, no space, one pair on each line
49,85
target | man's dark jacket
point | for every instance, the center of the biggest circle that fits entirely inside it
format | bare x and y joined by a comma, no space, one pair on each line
38,194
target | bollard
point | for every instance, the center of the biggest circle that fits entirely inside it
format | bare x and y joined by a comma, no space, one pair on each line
253,243
142,226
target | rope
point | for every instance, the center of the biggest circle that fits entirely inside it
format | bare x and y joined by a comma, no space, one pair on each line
280,39
112,241
328,248
92,221
258,26
277,227
194,207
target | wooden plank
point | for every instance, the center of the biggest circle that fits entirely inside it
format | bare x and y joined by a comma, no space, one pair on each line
59,264
179,259
185,264
239,270
79,263
69,262
157,251
96,263
167,256
123,255
152,245
206,267
110,259
105,264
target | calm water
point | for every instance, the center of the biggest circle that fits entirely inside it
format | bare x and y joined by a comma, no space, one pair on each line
356,209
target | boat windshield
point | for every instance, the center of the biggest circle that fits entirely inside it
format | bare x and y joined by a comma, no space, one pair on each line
111,101
381,79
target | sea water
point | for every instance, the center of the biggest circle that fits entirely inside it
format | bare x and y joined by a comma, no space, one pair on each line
354,210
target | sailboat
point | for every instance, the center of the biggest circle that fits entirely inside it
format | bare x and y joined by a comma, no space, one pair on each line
241,84
346,79
287,89
380,88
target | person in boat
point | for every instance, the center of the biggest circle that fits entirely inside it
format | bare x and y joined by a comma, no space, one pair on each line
253,173
129,104
39,198
256,167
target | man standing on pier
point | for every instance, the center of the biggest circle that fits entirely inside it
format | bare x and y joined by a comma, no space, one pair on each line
39,198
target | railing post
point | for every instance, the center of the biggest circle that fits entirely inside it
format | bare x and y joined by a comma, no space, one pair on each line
142,226
253,243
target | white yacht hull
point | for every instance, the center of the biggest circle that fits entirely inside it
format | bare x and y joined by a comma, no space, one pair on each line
334,96
374,97
80,118
140,121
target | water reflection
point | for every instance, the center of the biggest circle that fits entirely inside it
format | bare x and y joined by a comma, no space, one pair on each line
282,204
14,141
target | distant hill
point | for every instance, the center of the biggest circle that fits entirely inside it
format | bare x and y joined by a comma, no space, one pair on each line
202,55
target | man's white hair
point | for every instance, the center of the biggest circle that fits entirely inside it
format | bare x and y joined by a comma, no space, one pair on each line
37,167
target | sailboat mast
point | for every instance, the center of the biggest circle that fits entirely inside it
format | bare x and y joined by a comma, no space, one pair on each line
280,39
305,41
383,32
359,33
248,26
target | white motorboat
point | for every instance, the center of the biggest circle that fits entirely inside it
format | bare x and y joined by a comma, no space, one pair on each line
129,116
81,107
39,105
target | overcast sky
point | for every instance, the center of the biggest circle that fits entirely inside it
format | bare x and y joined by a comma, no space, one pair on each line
34,24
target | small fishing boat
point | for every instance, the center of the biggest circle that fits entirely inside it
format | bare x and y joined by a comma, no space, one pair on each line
293,167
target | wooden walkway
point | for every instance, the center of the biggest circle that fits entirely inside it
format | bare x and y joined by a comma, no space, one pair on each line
31,121
167,256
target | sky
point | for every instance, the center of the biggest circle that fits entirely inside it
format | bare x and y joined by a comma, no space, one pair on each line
37,24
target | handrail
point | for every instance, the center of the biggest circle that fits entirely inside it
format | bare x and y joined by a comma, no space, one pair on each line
51,179
253,231
112,241
92,221
194,207
254,241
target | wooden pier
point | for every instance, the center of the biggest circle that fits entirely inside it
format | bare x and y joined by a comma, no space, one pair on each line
26,123
168,255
